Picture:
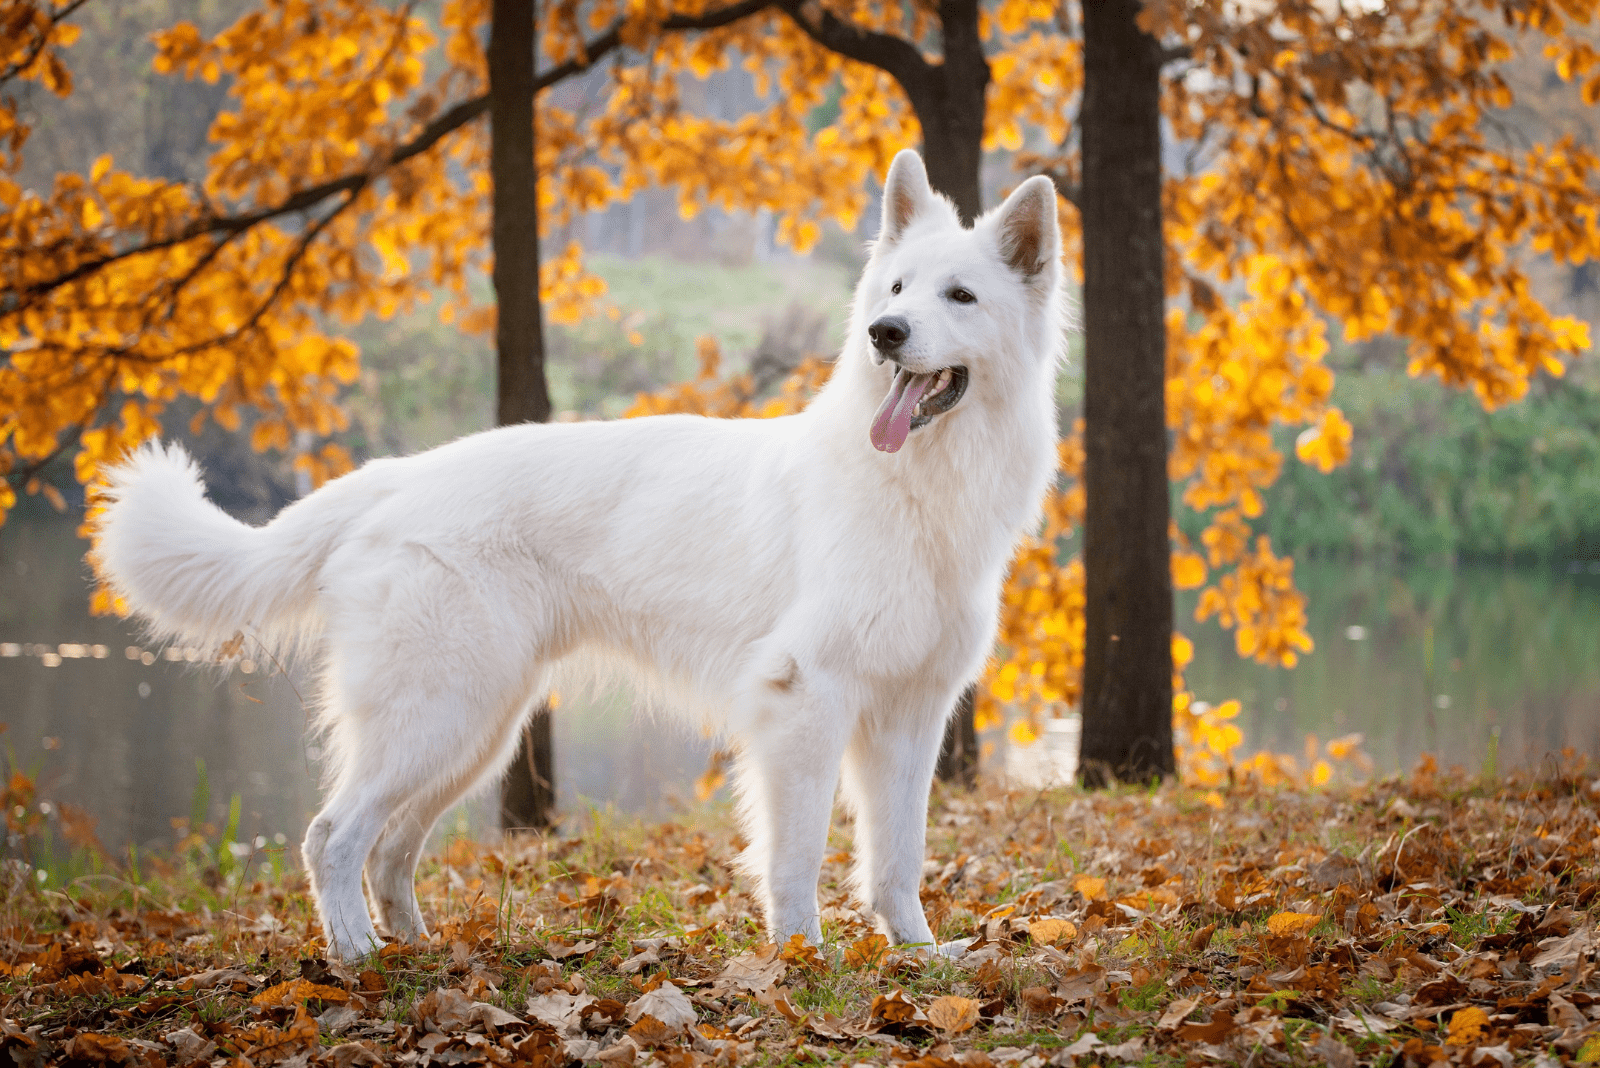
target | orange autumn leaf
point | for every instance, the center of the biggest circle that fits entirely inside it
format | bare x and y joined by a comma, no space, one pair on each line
1290,924
1091,887
952,1014
1468,1027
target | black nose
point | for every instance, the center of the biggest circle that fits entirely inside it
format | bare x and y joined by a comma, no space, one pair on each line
890,332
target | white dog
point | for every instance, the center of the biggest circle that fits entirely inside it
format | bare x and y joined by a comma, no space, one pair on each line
818,588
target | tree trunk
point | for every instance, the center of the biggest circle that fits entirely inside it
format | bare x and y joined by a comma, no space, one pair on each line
1127,673
952,109
527,798
958,759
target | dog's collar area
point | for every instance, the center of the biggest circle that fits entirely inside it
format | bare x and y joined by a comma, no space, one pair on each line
942,401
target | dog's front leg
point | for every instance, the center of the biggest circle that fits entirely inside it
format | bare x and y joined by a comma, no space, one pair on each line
788,772
888,770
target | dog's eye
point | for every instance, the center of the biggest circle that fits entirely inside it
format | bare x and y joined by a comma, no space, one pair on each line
962,296
895,288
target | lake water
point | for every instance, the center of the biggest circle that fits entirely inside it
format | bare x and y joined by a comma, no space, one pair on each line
1457,662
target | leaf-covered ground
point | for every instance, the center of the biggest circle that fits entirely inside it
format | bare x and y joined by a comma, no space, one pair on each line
1406,922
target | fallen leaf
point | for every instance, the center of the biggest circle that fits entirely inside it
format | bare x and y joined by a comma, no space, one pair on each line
561,951
1211,1032
492,1018
1131,1050
98,1049
666,1003
1051,930
953,1015
1559,954
802,954
444,1009
1082,984
351,1055
210,980
1289,924
1040,1001
894,1008
296,991
1564,1014
1333,1053
1202,938
1092,888
1176,1013
651,1033
1468,1027
753,971
866,952
1086,1043
560,1010
189,1045
1359,1023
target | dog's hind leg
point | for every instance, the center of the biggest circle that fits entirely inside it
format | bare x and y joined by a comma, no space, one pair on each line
888,771
407,748
392,865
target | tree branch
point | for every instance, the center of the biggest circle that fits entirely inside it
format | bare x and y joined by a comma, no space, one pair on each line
895,56
430,135
39,45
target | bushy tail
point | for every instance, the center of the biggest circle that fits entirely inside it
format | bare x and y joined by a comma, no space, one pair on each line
196,573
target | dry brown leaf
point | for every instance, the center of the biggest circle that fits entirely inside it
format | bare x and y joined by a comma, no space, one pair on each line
953,1015
561,1010
1039,1001
351,1055
1176,1013
666,1003
444,1009
895,1009
582,948
1211,1032
650,1032
98,1049
753,971
1202,938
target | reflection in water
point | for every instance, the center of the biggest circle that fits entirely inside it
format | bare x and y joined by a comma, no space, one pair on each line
122,737
1472,664
1415,659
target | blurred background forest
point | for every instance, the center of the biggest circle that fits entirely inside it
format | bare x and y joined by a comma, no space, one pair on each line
1452,565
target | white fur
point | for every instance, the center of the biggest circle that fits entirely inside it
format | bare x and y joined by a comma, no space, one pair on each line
820,603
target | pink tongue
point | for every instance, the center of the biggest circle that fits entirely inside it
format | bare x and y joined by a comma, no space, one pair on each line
893,421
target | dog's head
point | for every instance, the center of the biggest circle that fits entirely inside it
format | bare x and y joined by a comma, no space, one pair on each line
962,316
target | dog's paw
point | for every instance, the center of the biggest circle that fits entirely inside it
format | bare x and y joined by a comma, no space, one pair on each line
953,950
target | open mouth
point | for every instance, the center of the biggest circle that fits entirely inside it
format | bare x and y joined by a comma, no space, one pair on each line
914,399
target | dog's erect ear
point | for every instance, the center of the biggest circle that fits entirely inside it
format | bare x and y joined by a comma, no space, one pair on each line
906,195
1030,236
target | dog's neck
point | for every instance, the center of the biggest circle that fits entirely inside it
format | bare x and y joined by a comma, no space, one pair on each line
983,466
